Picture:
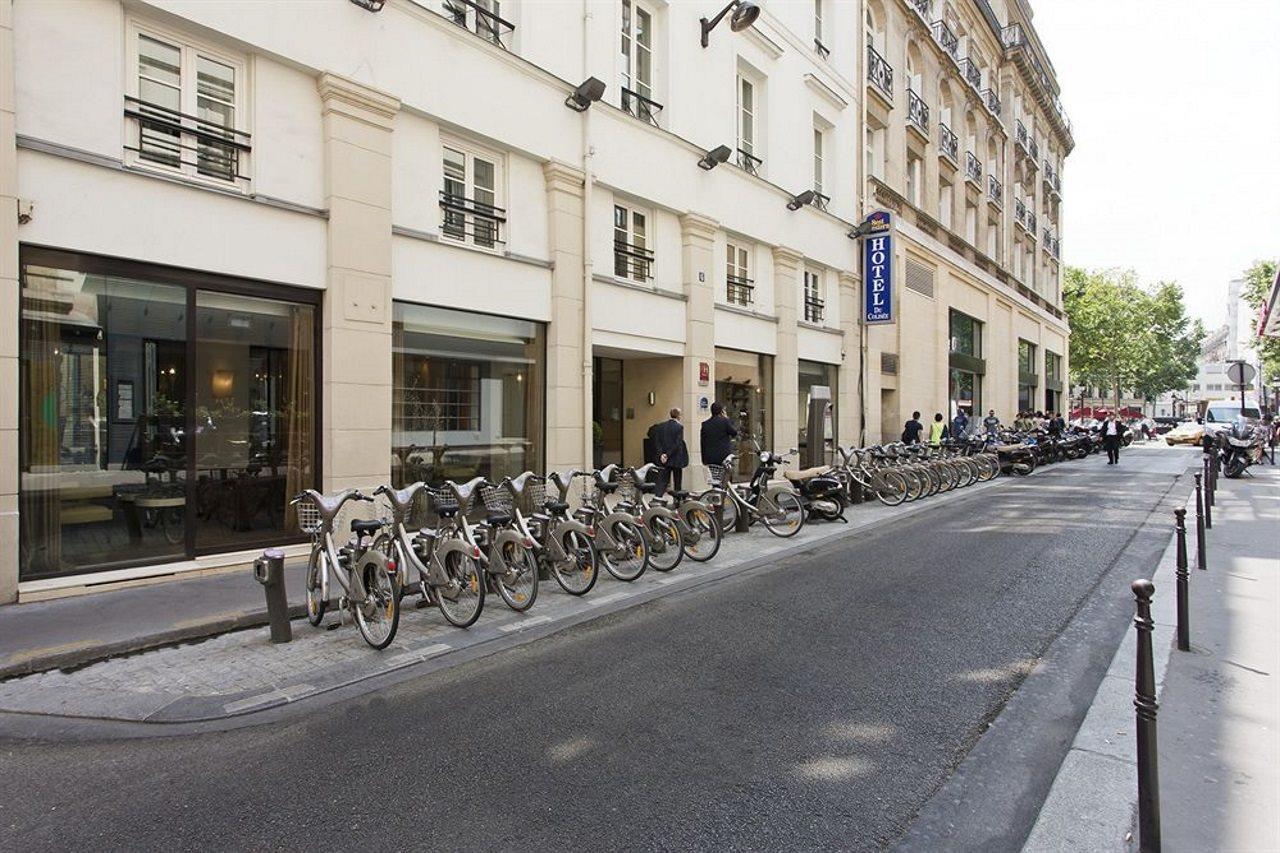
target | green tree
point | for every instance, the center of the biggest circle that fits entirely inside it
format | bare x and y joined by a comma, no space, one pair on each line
1257,286
1172,341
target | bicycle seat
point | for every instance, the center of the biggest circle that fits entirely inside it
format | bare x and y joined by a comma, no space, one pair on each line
498,519
557,506
680,495
360,527
806,473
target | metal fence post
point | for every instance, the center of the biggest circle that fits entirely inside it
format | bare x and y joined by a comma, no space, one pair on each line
1184,612
1200,562
1145,707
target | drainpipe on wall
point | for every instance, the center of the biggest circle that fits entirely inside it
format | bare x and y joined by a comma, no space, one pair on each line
588,182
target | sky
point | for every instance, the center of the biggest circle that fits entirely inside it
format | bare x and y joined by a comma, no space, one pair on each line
1175,109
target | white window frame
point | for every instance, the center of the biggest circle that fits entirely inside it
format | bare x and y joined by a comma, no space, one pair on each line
819,170
470,19
737,262
627,69
818,19
639,237
812,285
472,152
741,112
190,49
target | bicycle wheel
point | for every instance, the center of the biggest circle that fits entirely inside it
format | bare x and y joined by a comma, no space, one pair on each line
665,550
518,585
316,603
462,599
991,467
892,488
705,536
917,484
378,615
728,508
629,560
785,517
577,574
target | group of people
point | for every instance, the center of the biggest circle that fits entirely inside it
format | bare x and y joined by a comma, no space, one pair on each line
961,426
672,454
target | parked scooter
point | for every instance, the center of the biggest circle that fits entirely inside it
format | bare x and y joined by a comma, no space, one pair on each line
821,493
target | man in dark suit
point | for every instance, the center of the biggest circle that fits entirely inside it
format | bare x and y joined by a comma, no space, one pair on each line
673,454
718,433
1113,430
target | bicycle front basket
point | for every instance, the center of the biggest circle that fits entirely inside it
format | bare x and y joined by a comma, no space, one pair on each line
716,474
496,500
308,516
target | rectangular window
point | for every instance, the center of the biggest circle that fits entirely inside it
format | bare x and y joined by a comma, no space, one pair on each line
163,413
748,157
813,373
1052,366
945,201
632,257
738,282
469,199
813,303
186,109
817,160
482,16
744,384
636,72
467,395
915,179
966,393
1026,357
966,335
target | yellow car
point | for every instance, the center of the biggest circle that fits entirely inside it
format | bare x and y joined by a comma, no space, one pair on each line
1187,432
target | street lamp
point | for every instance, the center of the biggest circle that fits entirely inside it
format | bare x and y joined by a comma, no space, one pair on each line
744,15
588,92
801,200
714,157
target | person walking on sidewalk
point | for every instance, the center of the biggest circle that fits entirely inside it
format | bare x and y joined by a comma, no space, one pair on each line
1113,430
673,453
991,424
717,434
937,430
911,432
960,424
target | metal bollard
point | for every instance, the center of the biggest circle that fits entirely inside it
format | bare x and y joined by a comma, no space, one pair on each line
268,570
743,523
1208,500
1145,707
1184,612
1200,563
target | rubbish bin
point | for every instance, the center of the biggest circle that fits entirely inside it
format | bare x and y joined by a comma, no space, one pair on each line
268,570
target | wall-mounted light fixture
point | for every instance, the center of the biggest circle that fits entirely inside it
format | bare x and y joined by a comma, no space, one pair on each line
370,5
588,92
801,200
744,15
223,381
714,157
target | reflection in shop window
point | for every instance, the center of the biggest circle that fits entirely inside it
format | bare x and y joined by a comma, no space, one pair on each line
467,395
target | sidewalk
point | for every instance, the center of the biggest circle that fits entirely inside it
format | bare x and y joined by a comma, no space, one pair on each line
1219,717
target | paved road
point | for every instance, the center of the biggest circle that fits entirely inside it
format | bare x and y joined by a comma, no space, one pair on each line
814,704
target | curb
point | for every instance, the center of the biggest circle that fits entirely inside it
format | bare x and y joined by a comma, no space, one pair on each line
1093,803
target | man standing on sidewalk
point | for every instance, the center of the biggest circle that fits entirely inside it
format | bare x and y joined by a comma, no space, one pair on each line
911,432
1113,430
673,454
717,436
990,424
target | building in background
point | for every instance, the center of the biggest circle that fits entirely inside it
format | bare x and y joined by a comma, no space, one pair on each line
404,242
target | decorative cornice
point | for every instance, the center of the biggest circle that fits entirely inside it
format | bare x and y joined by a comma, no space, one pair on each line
561,177
787,258
849,278
828,94
354,99
695,225
768,45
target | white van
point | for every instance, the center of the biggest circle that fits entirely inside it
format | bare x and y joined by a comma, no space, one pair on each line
1227,411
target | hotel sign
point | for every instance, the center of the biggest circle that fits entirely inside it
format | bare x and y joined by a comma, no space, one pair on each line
877,268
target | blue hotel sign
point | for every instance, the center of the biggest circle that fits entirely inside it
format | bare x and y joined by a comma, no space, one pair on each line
877,268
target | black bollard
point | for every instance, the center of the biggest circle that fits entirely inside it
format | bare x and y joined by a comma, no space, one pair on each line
1145,707
268,570
1200,564
1208,500
1184,613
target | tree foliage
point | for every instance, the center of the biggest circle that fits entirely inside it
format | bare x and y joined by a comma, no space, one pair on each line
1257,286
1127,337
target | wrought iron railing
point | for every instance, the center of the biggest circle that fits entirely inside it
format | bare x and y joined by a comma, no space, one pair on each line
1020,212
918,111
1033,149
739,290
467,218
813,308
486,24
946,38
879,72
170,138
1031,222
992,100
1056,247
995,190
971,73
632,261
973,168
749,162
820,200
1048,238
948,143
822,49
645,109
922,8
1020,135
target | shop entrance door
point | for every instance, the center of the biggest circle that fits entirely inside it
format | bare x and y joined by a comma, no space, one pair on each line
606,411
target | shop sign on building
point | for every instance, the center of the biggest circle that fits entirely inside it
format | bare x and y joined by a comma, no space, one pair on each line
877,268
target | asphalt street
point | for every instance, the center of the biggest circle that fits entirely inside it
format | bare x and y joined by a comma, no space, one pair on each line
815,704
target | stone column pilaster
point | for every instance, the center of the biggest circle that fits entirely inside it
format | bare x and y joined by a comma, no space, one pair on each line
849,402
9,319
697,239
787,286
568,355
356,383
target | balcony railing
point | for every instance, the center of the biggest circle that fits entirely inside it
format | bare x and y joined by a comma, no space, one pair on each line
467,218
1033,149
922,8
918,112
995,190
486,24
1046,174
822,49
645,109
1020,212
972,74
992,100
739,290
879,72
1048,238
179,141
813,308
972,168
1020,135
948,144
749,162
1056,248
632,261
946,38
1013,38
1031,222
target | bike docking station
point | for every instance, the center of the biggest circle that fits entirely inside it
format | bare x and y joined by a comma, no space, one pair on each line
268,570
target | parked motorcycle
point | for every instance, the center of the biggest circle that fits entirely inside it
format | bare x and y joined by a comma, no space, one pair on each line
1238,448
821,493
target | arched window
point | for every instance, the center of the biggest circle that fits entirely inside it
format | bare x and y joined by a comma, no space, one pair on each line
875,31
915,67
